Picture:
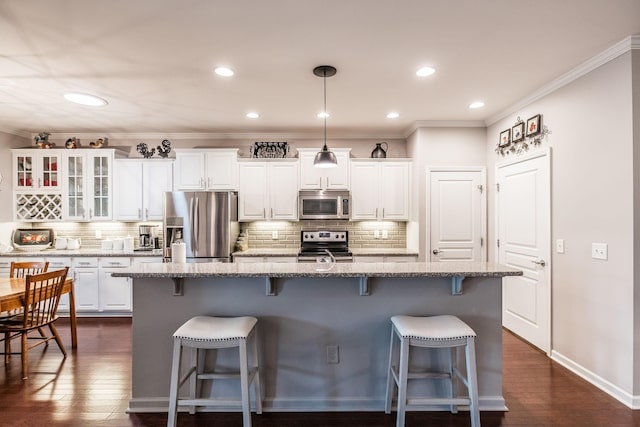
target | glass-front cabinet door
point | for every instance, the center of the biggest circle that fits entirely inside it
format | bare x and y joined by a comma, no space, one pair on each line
36,170
88,187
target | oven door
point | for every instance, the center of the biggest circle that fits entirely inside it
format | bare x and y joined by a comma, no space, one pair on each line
323,258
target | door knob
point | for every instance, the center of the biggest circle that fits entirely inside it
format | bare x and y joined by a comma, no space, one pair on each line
436,251
540,262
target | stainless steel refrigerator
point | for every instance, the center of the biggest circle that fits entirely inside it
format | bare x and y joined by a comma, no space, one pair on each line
207,222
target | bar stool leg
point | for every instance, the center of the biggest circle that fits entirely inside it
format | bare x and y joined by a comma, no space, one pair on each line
257,389
391,382
402,381
470,350
244,383
452,362
175,379
194,369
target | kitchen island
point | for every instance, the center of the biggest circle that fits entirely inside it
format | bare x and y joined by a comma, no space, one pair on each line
304,308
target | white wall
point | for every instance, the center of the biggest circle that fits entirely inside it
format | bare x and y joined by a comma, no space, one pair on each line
636,219
592,201
438,147
7,141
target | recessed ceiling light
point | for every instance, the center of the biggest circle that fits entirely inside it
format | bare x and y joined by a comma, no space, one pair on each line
323,114
224,71
476,104
253,115
85,99
425,71
393,115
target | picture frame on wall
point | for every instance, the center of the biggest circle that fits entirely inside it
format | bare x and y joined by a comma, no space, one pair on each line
505,138
533,125
517,132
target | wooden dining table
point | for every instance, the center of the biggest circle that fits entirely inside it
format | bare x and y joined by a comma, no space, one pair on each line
12,297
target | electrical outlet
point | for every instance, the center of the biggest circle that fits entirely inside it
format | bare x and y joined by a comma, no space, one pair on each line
560,246
385,234
376,234
98,234
333,355
599,251
274,234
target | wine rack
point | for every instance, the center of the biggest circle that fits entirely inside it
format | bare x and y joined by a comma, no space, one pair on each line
38,207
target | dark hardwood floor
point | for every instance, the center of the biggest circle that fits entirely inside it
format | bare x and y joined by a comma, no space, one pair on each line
92,387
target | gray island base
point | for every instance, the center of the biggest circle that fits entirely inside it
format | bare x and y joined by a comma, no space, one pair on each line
307,312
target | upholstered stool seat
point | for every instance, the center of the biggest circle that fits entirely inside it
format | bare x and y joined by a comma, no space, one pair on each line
202,333
448,332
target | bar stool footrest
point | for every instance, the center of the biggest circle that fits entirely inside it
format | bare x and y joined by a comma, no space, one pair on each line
433,401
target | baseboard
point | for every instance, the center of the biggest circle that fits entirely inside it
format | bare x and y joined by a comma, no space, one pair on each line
611,389
160,404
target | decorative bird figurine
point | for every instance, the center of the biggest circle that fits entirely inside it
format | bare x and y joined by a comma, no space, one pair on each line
144,150
164,149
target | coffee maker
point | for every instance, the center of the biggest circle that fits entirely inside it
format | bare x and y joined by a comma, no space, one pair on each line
147,237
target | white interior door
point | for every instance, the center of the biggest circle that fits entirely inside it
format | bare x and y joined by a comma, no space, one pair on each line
457,212
523,233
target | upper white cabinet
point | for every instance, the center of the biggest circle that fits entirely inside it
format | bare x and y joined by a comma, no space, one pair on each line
268,190
37,169
380,190
139,186
206,169
88,188
313,178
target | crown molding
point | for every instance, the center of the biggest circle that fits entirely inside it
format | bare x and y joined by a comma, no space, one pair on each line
442,124
620,48
261,136
17,132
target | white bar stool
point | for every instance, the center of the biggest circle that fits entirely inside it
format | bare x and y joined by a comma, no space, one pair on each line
205,332
432,332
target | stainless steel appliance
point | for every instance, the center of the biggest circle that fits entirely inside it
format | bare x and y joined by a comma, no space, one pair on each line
321,245
147,236
321,204
207,222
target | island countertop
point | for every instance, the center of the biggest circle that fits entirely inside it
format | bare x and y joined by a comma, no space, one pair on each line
282,270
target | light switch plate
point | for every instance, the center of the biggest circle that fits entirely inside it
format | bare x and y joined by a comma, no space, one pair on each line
274,235
599,251
376,234
385,234
560,246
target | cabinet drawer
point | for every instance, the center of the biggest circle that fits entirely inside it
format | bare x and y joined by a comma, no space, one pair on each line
5,263
87,262
59,263
115,262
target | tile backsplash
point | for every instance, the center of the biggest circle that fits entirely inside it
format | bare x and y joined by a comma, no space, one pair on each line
261,234
361,234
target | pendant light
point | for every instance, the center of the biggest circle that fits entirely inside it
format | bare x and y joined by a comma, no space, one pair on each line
325,158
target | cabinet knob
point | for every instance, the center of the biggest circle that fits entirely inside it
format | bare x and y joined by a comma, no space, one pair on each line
436,251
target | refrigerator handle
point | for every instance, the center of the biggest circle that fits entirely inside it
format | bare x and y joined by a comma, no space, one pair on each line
191,219
195,226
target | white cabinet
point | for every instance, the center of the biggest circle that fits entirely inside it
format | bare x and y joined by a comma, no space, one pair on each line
313,178
88,188
114,292
139,186
268,190
380,190
37,185
37,169
86,283
210,169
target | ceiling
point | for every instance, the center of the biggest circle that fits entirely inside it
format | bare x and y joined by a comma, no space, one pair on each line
152,61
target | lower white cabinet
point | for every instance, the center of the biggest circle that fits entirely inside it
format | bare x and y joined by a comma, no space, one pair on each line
114,293
85,283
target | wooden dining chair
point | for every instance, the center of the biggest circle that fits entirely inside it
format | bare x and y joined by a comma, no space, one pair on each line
41,299
22,269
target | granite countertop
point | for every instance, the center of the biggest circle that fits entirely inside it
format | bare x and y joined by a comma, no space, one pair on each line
275,270
82,252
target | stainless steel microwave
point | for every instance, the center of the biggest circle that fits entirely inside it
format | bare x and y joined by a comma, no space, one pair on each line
320,204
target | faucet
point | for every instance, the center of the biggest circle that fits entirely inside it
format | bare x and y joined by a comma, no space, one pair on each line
331,262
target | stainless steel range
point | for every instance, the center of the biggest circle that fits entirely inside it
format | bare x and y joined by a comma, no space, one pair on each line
320,245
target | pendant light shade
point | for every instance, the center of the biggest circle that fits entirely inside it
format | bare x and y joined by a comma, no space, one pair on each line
325,158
